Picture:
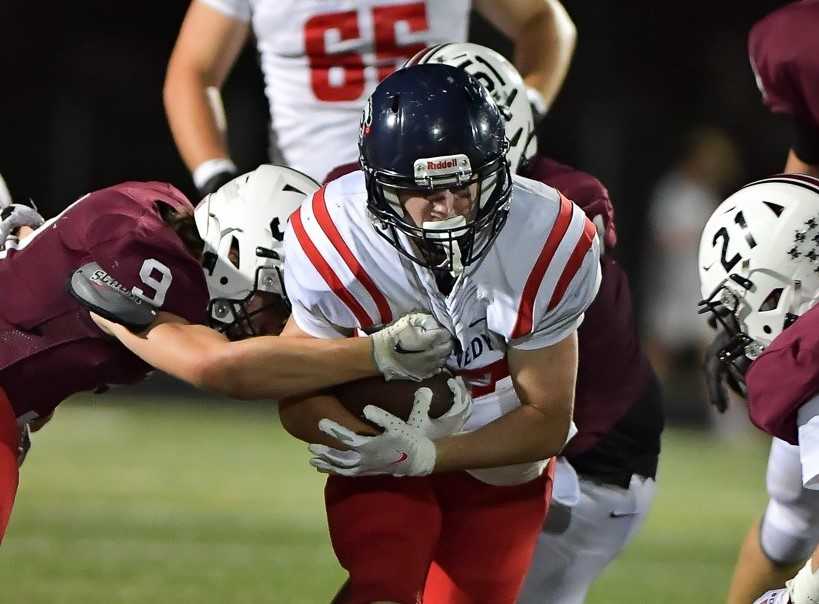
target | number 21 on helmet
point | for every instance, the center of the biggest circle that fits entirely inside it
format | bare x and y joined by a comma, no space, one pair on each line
759,260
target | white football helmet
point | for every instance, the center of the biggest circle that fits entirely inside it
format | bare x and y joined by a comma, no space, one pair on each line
504,84
242,225
759,261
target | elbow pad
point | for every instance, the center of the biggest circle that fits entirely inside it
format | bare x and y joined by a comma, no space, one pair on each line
99,292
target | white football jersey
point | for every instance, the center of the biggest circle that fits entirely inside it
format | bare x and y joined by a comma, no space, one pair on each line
322,58
528,292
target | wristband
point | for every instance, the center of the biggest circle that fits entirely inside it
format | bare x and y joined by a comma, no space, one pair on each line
207,169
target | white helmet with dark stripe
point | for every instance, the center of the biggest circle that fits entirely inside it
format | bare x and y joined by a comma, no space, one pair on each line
242,225
759,260
504,84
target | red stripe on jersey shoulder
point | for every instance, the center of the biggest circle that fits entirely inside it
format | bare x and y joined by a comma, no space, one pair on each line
523,324
575,260
327,273
330,230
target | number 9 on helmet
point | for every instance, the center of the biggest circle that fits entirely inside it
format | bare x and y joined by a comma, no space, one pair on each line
503,82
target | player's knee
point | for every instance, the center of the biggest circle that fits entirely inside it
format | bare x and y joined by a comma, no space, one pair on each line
383,590
788,532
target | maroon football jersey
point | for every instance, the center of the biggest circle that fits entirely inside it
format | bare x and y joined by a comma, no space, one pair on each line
614,373
50,347
784,52
785,377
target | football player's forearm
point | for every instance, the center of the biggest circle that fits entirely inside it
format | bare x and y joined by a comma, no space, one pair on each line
544,50
796,165
272,367
193,118
526,434
300,417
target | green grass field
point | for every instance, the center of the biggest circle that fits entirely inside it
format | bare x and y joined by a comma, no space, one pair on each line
151,503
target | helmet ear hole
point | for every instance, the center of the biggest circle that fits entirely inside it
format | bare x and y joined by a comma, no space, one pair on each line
771,302
233,255
767,329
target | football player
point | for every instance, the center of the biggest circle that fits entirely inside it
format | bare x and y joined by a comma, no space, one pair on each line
605,478
436,221
759,272
604,481
321,61
783,50
155,273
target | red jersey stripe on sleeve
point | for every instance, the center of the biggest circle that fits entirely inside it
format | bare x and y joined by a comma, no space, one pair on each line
524,323
575,260
327,273
330,230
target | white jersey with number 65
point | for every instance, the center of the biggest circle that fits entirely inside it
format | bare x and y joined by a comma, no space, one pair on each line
322,58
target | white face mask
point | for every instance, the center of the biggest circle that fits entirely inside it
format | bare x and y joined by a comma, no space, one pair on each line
452,248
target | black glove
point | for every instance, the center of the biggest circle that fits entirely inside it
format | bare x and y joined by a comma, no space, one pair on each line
718,373
216,181
23,445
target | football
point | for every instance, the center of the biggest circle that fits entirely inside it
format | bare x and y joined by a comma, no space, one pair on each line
396,396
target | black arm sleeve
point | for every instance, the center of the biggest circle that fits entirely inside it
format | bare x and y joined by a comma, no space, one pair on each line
806,141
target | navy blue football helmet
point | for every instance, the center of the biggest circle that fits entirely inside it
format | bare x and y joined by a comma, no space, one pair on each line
426,129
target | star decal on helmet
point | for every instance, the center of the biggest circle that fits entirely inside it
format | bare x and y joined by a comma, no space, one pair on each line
805,244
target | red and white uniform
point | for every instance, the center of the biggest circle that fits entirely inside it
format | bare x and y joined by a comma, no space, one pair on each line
322,58
529,292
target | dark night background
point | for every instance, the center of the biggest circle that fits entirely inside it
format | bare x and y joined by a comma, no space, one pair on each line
82,105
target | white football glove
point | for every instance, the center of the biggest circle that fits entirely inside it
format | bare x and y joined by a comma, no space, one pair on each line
776,596
13,217
414,347
803,588
401,450
451,421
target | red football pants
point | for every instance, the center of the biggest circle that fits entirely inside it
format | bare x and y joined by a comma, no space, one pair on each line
9,474
442,539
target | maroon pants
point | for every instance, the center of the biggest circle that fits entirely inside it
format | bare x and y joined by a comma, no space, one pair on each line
9,475
442,539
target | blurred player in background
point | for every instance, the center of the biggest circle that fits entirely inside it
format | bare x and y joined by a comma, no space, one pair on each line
5,196
784,54
617,406
759,271
321,61
435,220
155,272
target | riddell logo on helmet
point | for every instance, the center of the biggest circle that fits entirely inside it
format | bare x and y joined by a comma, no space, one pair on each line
445,165
441,164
